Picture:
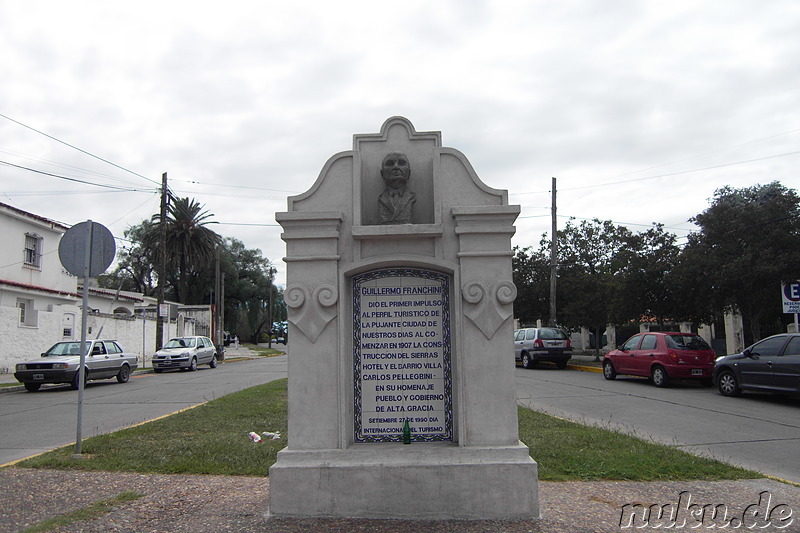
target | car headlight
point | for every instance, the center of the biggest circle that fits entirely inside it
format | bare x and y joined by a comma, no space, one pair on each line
60,366
720,358
21,367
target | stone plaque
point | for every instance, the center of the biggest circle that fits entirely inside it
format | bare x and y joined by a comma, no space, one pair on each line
401,355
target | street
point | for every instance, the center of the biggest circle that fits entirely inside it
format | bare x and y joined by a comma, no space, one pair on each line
38,422
757,431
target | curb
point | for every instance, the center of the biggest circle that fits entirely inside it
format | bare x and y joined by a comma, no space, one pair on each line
582,368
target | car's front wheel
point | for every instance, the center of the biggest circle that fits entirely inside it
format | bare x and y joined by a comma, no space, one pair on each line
609,372
124,374
193,364
213,362
75,383
659,376
727,384
32,387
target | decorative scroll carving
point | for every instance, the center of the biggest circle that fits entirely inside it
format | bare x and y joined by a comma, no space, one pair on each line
487,307
311,314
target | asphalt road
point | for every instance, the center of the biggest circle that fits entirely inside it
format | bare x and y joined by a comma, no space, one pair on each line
36,422
757,431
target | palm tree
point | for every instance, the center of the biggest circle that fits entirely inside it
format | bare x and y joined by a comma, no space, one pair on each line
190,245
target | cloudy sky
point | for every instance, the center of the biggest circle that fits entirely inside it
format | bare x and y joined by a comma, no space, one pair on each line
640,109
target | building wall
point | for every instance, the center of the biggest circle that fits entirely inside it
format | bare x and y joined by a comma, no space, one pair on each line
21,343
50,273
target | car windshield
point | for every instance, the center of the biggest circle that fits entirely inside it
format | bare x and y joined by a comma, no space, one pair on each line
66,348
687,342
550,333
180,343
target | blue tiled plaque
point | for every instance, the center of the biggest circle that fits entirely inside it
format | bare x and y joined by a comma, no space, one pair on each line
401,355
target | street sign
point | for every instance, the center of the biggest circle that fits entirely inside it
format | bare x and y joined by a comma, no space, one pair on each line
86,237
791,296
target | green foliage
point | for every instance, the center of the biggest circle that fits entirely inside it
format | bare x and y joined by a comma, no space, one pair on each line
749,241
531,275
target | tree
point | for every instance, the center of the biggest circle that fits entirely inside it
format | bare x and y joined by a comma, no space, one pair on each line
190,246
531,275
642,266
748,243
586,273
135,264
249,283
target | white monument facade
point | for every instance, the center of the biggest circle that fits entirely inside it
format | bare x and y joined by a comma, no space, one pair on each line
401,392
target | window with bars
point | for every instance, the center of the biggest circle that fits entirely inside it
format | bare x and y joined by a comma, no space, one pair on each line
32,254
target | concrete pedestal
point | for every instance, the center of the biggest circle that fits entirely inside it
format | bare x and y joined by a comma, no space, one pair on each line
419,481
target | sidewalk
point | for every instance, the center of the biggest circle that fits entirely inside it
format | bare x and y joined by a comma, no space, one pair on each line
199,504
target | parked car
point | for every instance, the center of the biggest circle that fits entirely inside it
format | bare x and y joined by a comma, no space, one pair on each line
662,356
772,364
104,359
534,345
185,353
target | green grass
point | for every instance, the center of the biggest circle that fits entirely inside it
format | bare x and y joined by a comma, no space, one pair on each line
95,510
569,451
262,351
209,439
212,439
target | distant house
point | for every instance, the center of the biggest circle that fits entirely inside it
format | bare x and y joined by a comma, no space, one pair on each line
36,293
40,302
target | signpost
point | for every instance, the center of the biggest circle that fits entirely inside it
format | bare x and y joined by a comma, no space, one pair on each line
791,300
86,249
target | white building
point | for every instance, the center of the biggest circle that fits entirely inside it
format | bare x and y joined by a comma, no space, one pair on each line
40,302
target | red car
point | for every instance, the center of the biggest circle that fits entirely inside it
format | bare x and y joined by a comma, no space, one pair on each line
662,357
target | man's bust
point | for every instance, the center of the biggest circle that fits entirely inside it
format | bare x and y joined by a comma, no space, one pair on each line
395,202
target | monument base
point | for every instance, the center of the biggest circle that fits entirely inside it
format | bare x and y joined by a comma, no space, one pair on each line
435,481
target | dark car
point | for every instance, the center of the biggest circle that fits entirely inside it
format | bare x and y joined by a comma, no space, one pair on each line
662,356
533,345
771,365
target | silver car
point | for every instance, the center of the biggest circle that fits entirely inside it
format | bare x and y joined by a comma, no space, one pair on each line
185,353
104,359
534,345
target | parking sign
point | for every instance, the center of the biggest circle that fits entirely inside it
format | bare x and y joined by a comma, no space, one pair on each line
791,296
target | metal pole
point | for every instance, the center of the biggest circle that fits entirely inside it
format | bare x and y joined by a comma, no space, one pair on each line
82,375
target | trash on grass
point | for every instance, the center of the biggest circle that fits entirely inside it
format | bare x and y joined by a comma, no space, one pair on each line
255,437
271,435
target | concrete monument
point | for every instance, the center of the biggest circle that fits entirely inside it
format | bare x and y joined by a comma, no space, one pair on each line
401,392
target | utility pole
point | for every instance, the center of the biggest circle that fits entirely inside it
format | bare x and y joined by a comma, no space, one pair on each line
553,259
162,263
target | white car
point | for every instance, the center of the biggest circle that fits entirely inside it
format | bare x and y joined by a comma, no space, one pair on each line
185,353
104,359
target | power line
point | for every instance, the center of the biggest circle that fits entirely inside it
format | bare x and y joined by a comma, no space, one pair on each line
76,180
78,149
667,174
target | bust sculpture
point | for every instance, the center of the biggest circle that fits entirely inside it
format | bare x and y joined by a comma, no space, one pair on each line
395,202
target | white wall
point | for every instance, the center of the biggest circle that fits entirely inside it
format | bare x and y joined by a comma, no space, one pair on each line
18,344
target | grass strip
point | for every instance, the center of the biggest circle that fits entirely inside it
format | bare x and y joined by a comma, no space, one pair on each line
91,512
212,439
569,451
209,439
